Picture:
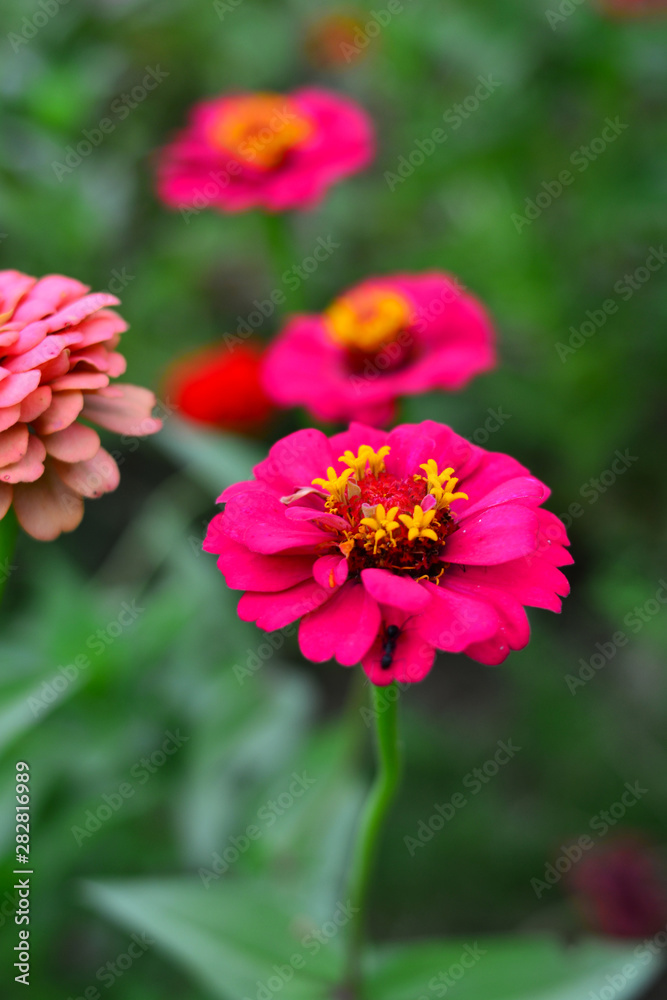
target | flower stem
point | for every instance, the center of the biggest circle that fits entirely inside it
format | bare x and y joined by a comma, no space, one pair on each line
385,711
280,244
8,534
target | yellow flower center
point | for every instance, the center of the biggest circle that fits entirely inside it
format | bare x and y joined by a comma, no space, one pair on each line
260,129
367,319
392,523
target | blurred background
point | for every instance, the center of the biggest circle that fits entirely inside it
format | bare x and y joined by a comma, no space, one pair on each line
195,712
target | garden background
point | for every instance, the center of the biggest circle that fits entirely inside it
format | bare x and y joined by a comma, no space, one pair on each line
520,96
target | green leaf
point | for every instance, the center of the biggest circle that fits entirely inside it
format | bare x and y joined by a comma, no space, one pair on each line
211,459
234,937
512,968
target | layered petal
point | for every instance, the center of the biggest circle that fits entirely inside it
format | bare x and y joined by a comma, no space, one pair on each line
58,349
344,627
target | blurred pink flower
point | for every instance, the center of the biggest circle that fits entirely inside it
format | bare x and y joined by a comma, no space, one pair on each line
57,356
622,889
412,540
265,150
382,339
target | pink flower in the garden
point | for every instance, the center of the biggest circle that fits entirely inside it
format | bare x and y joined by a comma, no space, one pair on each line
383,339
391,545
264,150
57,356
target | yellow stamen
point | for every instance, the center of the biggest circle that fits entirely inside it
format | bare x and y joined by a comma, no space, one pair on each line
441,484
365,456
367,318
418,522
260,129
334,484
381,524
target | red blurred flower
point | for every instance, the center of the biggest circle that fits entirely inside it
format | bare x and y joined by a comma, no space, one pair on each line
622,889
221,388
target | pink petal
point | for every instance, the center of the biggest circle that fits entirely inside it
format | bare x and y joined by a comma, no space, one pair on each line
47,350
76,443
295,461
330,571
272,611
102,326
297,513
412,444
513,631
245,486
126,411
92,477
523,490
64,409
8,336
13,444
75,312
344,628
534,582
30,467
9,415
411,661
494,536
47,295
35,404
56,368
99,358
47,507
398,591
258,521
80,380
488,469
246,570
552,540
453,620
15,388
13,287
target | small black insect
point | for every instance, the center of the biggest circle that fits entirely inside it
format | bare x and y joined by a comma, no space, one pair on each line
389,646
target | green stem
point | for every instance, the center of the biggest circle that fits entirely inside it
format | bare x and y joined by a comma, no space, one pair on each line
8,534
285,259
385,710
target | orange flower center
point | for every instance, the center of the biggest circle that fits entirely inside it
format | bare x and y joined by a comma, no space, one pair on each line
260,129
367,319
394,524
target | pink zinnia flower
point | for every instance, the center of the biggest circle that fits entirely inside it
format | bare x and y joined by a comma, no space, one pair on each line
57,356
391,545
265,150
383,339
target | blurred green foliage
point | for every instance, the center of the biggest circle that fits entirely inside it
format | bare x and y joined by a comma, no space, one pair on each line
565,414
